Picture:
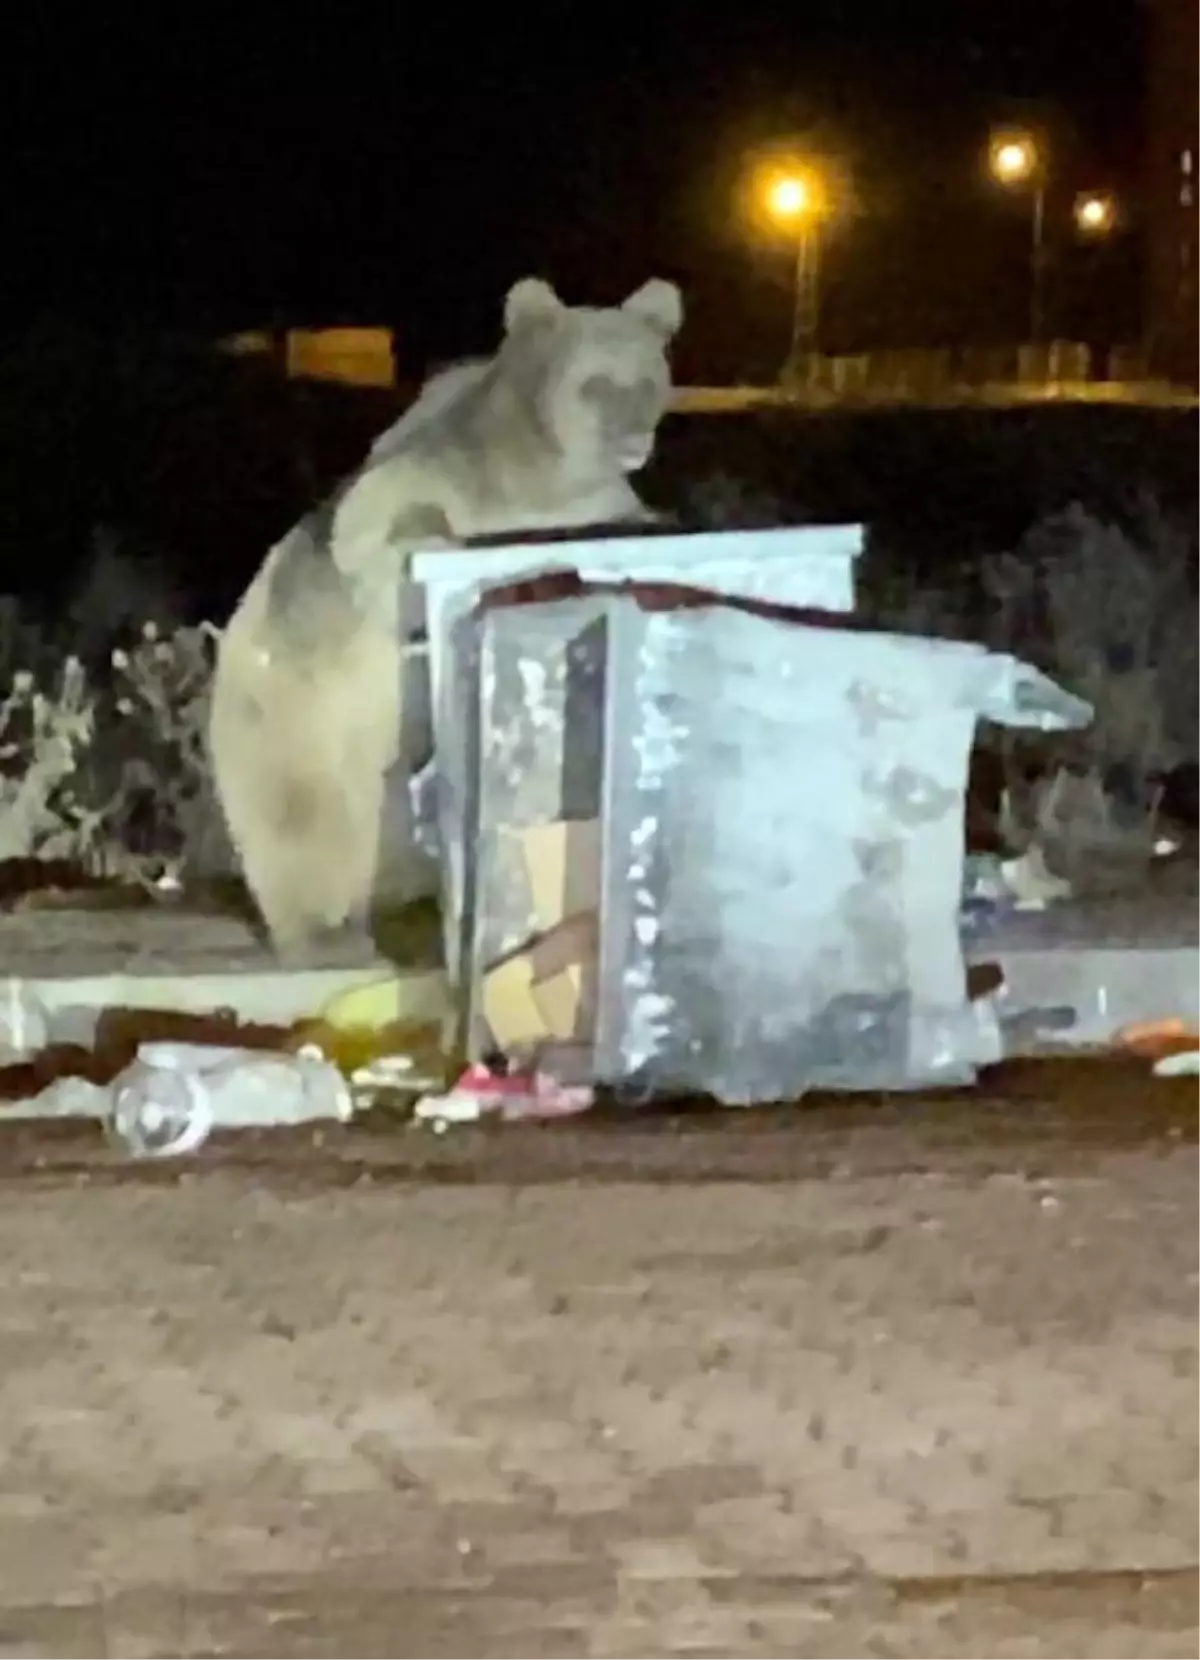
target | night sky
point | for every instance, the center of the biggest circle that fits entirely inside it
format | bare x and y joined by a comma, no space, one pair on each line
167,166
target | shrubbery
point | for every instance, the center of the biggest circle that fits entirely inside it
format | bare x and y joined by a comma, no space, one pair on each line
109,770
102,752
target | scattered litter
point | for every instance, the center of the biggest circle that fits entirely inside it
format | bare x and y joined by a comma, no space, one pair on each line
397,1074
386,1071
985,895
395,1059
983,880
992,886
1172,1044
1027,1028
386,1037
24,1026
174,1095
510,1095
72,1097
1030,882
1158,1039
1184,1063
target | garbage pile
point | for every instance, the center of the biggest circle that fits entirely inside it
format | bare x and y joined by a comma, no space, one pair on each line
173,1094
161,1082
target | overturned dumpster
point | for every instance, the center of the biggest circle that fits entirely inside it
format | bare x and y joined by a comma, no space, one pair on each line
810,565
705,843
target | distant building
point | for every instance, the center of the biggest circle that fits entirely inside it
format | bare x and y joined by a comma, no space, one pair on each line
1172,185
353,356
356,357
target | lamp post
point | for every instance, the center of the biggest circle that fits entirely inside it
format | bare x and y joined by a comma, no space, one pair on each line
1015,161
794,200
1095,214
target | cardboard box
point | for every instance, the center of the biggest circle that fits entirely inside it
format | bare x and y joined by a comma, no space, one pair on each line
562,862
546,990
513,1018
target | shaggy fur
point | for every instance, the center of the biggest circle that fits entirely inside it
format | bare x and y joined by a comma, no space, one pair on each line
308,701
436,395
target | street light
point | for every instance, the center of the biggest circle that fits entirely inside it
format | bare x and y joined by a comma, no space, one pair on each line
1015,160
796,200
1095,214
789,198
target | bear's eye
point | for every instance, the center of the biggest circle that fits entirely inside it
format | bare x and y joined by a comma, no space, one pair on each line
597,389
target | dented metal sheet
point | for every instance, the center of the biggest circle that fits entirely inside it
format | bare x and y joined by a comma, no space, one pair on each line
809,565
758,865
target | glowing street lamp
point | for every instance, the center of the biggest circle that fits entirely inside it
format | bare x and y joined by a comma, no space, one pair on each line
1095,214
796,199
789,198
1015,160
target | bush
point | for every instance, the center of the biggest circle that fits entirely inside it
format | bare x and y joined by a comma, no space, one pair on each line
1111,611
111,773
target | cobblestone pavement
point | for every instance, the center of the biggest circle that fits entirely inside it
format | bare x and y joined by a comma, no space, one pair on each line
903,1405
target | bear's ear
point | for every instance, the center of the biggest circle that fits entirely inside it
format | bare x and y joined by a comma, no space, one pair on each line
659,305
532,300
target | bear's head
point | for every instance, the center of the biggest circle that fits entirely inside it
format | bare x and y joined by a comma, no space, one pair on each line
595,380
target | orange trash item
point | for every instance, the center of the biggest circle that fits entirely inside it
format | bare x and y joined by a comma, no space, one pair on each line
1152,1039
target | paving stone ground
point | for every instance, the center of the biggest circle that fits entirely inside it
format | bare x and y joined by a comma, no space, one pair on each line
830,1387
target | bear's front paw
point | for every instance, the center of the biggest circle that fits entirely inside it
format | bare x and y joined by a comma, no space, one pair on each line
422,530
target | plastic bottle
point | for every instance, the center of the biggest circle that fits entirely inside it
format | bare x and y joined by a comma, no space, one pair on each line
173,1095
